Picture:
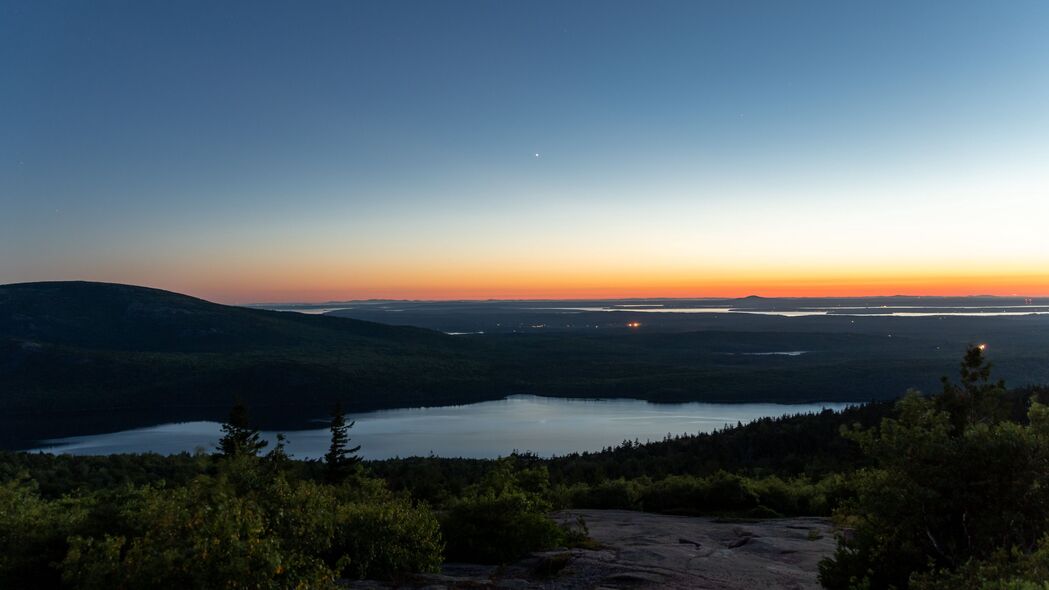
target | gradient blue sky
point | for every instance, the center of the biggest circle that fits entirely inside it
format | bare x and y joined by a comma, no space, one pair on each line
331,150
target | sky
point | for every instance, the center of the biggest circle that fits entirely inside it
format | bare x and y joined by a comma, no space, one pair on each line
314,151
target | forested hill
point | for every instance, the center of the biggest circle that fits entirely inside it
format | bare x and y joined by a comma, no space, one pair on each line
79,345
123,317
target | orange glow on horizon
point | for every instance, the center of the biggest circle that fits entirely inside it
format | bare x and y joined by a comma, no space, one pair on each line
317,291
319,280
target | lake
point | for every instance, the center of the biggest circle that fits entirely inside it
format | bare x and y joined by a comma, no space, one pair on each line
545,426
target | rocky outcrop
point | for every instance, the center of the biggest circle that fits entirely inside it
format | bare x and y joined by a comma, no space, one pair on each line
641,550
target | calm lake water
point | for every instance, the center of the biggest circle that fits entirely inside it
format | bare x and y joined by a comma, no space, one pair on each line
545,426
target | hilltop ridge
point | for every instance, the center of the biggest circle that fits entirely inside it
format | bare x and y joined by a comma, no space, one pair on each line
82,345
126,317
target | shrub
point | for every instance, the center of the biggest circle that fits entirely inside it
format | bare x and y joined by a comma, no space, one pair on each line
613,494
386,538
200,536
250,529
33,534
681,494
1006,570
492,528
499,520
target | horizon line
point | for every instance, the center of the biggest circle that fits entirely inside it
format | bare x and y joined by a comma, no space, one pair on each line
601,299
214,297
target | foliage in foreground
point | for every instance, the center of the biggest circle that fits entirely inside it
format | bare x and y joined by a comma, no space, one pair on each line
720,494
502,517
247,526
948,492
958,496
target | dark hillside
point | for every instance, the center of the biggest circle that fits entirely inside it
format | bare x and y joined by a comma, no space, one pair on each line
80,346
123,317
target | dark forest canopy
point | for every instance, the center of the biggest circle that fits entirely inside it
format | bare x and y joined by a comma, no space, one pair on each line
79,346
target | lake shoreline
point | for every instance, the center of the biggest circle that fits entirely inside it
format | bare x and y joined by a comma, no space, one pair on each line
23,430
546,426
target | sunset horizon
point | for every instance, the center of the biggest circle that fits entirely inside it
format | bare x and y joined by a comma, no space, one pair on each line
381,150
958,287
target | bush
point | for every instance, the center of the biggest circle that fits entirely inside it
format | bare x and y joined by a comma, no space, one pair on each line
721,493
681,494
799,496
613,494
502,518
497,528
33,534
200,536
1006,570
251,528
383,539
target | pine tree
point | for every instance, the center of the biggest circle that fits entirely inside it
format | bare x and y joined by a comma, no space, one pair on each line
340,459
978,399
238,437
278,455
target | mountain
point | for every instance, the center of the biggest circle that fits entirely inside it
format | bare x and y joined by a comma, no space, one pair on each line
83,345
124,317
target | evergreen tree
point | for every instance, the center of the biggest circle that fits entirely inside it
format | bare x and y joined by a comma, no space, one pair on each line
954,487
238,436
977,399
278,457
340,459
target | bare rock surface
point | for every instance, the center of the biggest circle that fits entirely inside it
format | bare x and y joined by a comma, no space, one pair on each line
642,550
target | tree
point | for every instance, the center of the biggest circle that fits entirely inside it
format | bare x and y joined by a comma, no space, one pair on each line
340,459
953,486
976,400
277,458
238,436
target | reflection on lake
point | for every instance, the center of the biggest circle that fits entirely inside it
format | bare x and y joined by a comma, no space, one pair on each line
546,426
